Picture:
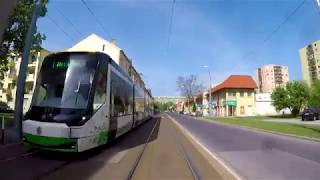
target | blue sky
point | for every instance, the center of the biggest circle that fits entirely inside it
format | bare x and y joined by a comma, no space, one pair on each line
228,36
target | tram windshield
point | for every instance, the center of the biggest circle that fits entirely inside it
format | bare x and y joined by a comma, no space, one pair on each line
65,81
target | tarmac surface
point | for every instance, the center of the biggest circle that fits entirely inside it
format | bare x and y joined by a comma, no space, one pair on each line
155,150
254,154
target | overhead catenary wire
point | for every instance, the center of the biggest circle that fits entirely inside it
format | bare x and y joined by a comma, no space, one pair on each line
94,16
286,19
69,21
170,25
60,28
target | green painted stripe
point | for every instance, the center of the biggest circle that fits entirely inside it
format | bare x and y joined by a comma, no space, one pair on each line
52,149
48,141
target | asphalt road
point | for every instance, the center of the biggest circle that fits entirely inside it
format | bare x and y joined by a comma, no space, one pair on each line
257,155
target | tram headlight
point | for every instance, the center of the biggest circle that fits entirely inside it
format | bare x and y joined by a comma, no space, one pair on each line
83,120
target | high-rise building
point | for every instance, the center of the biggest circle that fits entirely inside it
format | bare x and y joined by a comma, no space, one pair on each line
271,76
310,62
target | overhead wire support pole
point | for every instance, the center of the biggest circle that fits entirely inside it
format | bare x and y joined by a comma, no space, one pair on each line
210,99
18,113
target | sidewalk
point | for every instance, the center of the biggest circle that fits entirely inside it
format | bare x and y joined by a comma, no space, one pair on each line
294,121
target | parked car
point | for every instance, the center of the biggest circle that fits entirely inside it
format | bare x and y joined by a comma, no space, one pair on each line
310,114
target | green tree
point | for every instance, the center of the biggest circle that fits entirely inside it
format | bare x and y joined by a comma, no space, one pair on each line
165,106
194,108
315,95
15,33
293,96
280,98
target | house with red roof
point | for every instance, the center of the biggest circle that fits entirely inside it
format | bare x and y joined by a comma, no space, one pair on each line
235,96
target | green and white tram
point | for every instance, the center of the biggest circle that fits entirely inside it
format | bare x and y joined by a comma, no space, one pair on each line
83,100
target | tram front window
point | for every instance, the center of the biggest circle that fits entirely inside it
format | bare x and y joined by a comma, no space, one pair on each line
65,81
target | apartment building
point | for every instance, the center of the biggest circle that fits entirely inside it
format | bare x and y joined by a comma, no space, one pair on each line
271,76
235,96
8,84
310,62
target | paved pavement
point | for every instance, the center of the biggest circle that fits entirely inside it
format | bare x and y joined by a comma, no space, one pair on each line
257,155
162,158
294,121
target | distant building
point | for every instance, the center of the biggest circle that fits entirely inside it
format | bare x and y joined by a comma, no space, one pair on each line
234,96
180,106
310,62
271,76
8,84
173,99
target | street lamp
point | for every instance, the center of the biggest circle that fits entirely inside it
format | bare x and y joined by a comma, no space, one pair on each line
210,82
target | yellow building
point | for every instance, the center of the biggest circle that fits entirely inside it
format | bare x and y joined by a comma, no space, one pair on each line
8,84
235,96
310,62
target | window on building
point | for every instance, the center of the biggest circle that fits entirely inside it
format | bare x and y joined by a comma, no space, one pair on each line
249,94
242,111
33,58
241,93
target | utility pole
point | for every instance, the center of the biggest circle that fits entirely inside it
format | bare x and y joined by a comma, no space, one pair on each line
18,113
209,91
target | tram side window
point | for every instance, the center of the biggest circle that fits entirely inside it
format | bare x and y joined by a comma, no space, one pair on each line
121,96
100,90
139,100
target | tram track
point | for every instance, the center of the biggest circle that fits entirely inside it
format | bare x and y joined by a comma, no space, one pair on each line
184,154
181,149
136,163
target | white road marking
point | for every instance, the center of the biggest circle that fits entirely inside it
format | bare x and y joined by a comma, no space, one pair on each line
214,156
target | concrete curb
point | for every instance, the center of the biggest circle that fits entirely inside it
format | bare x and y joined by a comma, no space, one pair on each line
259,130
214,160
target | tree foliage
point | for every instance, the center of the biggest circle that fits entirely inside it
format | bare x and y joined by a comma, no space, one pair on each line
165,106
294,96
16,31
315,95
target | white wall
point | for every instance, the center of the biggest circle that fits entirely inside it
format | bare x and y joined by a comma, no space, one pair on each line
264,105
95,43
